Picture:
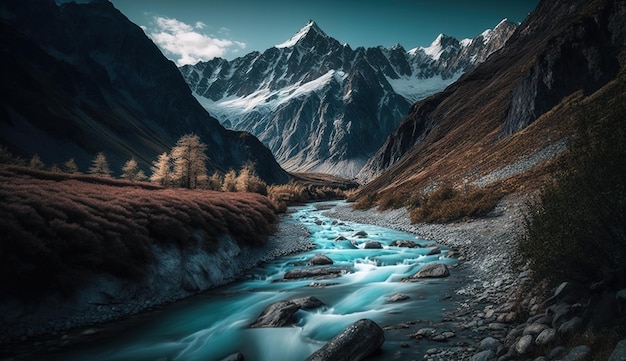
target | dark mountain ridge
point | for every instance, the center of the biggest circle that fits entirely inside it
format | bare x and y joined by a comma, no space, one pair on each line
482,122
82,78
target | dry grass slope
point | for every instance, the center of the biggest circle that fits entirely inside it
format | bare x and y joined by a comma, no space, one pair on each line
58,228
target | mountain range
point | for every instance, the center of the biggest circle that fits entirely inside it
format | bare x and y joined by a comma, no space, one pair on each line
502,123
321,106
80,78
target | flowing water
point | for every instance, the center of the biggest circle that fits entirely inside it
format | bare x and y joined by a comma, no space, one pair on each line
214,324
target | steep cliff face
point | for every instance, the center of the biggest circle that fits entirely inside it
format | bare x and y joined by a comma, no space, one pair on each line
81,78
322,106
563,47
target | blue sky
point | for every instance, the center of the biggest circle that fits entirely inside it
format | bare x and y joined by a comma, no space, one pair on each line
191,30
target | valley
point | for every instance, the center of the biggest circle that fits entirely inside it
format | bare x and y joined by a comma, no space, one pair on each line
314,200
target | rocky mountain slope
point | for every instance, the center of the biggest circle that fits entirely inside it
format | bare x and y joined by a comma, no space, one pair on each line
320,105
513,112
81,78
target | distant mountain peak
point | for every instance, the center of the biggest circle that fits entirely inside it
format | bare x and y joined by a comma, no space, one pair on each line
311,29
440,45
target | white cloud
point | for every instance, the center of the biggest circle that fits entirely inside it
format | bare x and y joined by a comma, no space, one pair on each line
187,44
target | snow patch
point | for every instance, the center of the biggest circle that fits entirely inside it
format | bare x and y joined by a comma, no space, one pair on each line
414,89
231,108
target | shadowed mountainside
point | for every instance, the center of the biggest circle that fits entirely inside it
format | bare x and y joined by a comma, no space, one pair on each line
81,78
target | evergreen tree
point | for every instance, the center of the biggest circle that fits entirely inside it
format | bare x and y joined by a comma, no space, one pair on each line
130,170
216,182
230,182
162,170
100,166
248,181
36,163
70,166
189,160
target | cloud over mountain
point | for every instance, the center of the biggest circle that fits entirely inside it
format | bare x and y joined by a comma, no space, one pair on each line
189,44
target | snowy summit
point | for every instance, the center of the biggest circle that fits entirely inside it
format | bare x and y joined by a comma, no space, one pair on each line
310,26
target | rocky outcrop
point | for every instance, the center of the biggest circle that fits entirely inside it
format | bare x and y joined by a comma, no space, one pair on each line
355,343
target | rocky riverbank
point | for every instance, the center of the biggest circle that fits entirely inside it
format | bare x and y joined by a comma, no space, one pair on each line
493,320
174,275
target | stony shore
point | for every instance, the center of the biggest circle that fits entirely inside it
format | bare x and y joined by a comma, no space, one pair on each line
492,319
484,248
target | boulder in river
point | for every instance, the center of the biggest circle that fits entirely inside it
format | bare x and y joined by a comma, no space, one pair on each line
308,302
432,270
372,245
276,315
433,251
281,313
404,243
397,297
320,260
316,273
360,234
355,343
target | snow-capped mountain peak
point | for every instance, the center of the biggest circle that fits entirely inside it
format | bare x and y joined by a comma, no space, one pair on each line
440,45
310,28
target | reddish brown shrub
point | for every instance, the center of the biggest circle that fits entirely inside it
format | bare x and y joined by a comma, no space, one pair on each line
59,228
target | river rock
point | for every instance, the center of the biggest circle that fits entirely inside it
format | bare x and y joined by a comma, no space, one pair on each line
557,352
433,251
340,238
404,243
360,234
308,303
372,245
619,354
489,343
397,297
486,355
432,270
320,260
355,343
317,273
546,336
276,315
571,327
534,329
524,344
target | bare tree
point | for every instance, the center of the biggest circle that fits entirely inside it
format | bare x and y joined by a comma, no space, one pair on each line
100,166
162,170
189,160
